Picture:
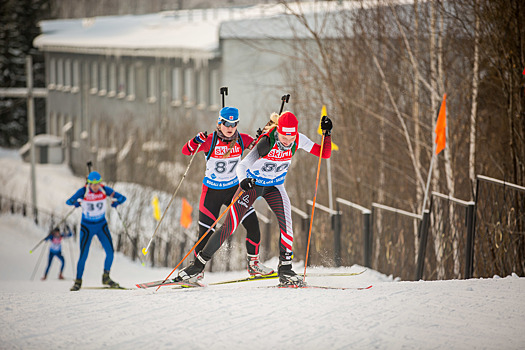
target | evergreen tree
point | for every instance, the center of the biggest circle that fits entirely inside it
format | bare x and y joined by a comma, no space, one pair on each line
18,28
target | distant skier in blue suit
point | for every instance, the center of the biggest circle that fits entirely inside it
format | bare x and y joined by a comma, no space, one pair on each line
55,249
92,198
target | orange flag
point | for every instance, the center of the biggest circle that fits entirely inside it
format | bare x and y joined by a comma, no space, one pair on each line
185,215
441,126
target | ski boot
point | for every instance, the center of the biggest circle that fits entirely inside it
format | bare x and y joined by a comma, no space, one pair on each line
191,271
256,268
197,279
76,286
108,281
287,277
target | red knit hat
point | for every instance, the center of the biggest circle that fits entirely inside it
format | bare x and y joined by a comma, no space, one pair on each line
287,124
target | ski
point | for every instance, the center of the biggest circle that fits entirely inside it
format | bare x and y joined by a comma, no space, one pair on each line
246,279
320,287
186,284
182,284
332,274
107,287
274,275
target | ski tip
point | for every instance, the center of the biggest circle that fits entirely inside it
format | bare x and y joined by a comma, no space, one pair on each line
144,251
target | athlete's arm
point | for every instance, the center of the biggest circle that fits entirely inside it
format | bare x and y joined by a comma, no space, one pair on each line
78,195
262,149
119,198
191,146
314,148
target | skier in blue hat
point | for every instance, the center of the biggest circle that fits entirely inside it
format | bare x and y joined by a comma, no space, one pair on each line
93,198
223,150
55,249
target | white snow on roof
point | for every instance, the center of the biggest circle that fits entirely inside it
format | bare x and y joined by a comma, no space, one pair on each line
190,32
175,31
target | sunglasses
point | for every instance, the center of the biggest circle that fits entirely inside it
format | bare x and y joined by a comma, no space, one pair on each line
229,124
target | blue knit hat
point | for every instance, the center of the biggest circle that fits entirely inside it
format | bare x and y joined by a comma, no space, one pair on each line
229,114
94,178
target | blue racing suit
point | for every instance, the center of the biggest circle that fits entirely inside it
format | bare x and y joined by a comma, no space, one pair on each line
94,222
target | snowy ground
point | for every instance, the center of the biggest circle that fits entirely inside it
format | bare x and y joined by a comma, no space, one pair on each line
34,314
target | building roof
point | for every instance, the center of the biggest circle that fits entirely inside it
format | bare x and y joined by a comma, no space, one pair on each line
188,33
185,33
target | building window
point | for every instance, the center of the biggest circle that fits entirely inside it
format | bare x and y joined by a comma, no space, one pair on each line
67,75
202,87
121,82
112,80
176,80
131,83
52,123
94,135
189,86
215,102
52,74
76,130
94,78
60,122
103,79
152,91
60,74
76,77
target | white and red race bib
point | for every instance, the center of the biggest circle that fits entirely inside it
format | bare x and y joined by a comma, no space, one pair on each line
220,171
94,205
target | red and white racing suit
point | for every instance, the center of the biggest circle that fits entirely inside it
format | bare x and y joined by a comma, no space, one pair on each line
219,185
268,165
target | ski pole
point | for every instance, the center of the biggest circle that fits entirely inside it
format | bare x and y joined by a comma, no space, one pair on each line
204,235
38,244
313,208
70,244
65,217
223,91
57,225
284,98
145,250
127,233
37,264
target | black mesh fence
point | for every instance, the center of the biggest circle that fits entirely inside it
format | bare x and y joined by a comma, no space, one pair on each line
394,241
463,239
42,218
353,221
446,252
499,243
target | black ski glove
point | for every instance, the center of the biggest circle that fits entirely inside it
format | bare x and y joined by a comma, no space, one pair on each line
326,125
247,184
201,137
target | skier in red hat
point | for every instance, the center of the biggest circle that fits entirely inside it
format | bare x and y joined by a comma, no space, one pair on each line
261,174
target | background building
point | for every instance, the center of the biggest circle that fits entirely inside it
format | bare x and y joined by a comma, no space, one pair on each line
116,80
